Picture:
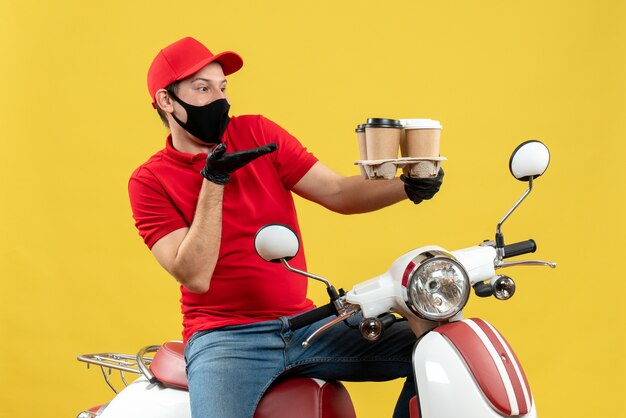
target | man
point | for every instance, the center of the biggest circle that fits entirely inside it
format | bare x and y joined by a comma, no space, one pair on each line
198,203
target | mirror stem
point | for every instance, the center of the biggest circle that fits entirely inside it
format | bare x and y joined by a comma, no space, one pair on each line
499,235
329,287
521,199
304,273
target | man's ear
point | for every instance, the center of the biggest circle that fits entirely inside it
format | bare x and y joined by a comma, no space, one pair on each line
164,101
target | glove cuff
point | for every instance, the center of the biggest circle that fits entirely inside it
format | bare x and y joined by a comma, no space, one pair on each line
215,177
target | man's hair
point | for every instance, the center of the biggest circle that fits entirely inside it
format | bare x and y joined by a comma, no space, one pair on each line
172,88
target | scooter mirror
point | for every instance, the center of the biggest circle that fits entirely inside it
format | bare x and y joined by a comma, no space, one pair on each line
529,160
275,242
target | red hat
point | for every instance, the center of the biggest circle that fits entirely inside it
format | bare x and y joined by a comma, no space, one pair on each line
183,58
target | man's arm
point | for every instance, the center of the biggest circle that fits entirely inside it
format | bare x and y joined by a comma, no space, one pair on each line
190,254
348,195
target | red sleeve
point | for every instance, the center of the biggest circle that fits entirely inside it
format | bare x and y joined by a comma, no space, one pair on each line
155,214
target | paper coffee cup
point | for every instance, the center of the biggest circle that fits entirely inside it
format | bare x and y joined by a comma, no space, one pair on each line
382,137
422,138
360,137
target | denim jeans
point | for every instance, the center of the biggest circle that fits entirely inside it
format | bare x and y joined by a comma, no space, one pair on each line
230,368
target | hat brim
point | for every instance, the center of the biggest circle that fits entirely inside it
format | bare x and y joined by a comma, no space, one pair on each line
230,61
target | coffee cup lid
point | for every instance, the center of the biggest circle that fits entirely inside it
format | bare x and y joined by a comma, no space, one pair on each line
360,128
383,123
420,124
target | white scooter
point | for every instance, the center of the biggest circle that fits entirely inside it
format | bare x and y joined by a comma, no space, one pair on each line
463,367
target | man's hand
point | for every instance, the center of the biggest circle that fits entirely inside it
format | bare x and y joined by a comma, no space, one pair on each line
422,189
219,165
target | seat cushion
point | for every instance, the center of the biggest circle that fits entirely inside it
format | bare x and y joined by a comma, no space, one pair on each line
306,398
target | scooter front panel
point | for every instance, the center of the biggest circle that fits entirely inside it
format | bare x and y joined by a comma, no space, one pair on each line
493,364
448,387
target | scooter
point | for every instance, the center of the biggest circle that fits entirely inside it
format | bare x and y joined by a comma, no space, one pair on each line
463,367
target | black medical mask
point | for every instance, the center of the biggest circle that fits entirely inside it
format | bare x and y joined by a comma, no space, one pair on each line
207,122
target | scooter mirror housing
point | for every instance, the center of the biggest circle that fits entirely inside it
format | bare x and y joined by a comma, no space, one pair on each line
529,160
276,242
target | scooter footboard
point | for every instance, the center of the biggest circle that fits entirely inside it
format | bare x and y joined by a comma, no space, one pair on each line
467,368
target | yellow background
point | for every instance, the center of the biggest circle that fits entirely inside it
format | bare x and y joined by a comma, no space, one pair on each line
75,120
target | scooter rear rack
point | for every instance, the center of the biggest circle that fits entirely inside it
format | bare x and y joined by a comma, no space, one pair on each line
125,363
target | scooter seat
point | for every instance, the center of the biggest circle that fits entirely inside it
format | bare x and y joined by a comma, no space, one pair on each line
287,398
168,365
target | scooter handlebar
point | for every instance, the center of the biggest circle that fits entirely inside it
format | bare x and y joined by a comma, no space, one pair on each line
519,248
312,316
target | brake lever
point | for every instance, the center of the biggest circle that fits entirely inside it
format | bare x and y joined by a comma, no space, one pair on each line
349,311
502,264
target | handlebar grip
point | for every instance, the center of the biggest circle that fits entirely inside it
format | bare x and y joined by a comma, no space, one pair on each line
519,248
311,316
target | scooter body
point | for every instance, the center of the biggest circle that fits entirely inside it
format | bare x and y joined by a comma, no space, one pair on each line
463,368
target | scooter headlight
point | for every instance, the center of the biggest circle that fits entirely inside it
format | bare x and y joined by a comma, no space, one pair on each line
436,284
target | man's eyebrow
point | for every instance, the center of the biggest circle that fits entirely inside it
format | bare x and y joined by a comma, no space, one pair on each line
223,81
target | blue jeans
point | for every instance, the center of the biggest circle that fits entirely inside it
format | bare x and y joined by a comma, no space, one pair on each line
230,368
